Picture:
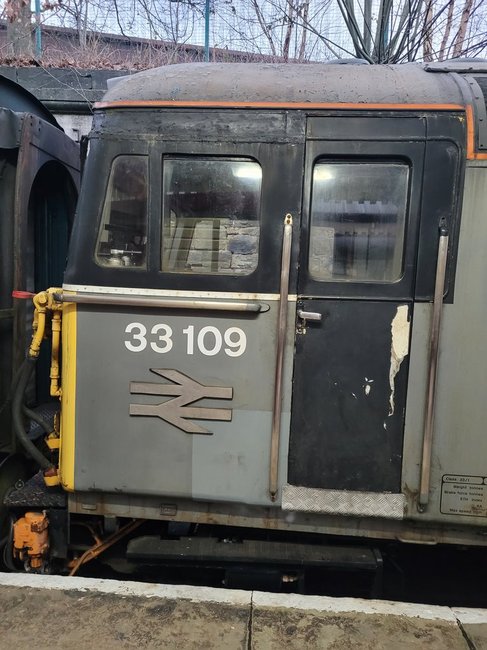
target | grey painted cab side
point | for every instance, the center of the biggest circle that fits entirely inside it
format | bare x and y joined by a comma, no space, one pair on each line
459,467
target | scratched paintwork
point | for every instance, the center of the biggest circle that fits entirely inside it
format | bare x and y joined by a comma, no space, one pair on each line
399,348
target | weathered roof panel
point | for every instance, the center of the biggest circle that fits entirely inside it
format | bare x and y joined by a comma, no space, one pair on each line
293,83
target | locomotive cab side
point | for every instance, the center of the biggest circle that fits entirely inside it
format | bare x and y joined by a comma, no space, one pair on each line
272,292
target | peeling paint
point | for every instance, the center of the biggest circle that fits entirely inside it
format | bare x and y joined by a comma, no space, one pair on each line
399,347
367,386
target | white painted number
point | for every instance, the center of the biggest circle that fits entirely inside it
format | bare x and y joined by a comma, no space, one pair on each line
209,340
189,331
164,338
217,343
140,337
236,347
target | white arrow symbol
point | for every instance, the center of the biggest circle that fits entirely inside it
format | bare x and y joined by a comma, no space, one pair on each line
184,391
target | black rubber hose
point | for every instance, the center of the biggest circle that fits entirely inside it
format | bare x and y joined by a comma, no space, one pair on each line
37,418
11,391
18,422
15,381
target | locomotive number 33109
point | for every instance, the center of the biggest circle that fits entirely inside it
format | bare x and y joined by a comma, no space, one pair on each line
208,340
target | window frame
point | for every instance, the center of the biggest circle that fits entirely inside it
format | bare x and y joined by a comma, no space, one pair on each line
113,161
258,217
403,213
410,153
280,195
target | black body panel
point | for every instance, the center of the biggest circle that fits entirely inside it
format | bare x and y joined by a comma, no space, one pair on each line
277,145
345,435
443,178
349,394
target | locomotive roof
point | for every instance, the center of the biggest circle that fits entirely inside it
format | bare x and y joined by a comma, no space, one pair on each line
15,97
287,83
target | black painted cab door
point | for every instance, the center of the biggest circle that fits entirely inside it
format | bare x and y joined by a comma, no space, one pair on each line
361,218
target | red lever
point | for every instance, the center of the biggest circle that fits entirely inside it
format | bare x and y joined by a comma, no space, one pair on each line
23,295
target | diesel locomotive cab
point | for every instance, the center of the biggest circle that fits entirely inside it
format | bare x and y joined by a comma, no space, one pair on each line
269,299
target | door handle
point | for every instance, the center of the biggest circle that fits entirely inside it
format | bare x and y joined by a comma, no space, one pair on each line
309,315
304,317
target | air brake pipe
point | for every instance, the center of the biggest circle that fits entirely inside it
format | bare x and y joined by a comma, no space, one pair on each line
102,545
281,342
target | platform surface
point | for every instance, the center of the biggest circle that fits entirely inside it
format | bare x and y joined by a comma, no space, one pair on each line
57,612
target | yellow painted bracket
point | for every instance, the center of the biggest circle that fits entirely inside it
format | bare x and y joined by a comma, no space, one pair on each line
55,389
47,311
56,318
51,477
44,302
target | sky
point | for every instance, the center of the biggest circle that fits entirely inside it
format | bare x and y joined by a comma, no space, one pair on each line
234,24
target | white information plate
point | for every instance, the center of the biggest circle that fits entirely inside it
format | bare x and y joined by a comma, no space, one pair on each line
464,495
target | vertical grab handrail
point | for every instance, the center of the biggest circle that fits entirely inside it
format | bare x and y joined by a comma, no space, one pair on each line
433,366
281,343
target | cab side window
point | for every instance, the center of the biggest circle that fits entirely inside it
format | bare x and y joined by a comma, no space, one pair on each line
122,239
211,213
358,220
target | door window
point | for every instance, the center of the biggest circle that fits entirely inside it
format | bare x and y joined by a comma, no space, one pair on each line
358,217
211,209
122,238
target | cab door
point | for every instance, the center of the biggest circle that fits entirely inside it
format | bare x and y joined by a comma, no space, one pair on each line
361,218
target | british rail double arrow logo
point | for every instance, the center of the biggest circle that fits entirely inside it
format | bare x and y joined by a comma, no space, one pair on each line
184,391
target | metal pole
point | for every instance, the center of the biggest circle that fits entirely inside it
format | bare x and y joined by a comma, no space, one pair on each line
368,26
207,30
280,350
38,29
433,367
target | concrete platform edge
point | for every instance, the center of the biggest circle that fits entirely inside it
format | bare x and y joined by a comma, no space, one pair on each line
121,588
113,614
246,598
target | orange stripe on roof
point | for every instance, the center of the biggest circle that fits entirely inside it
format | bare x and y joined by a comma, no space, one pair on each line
155,103
471,153
470,133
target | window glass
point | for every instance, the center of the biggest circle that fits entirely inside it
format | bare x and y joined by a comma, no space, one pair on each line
122,239
358,216
211,212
